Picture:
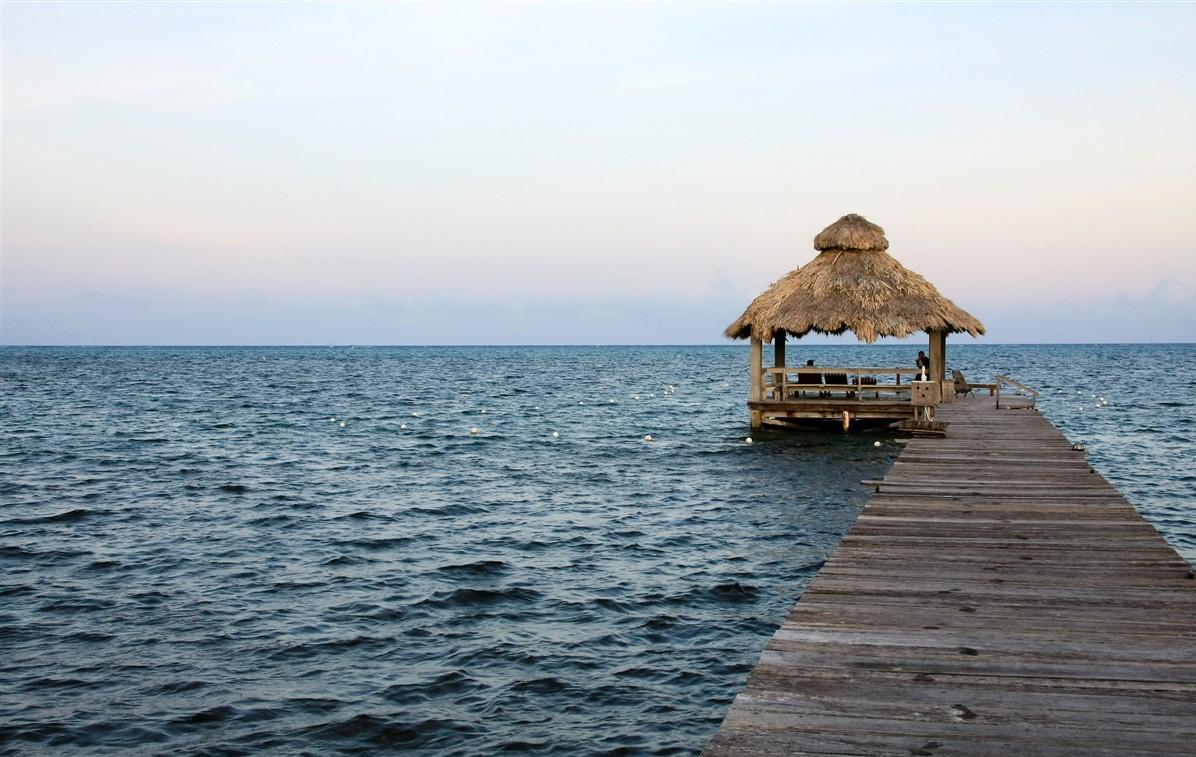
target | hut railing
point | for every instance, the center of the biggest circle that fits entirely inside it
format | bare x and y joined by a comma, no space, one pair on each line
796,382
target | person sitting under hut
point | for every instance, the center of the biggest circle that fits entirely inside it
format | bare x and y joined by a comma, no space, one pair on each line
923,366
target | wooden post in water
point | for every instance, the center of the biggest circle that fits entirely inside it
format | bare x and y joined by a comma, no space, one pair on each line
756,378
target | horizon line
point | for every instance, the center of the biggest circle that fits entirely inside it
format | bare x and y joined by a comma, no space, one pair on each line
735,343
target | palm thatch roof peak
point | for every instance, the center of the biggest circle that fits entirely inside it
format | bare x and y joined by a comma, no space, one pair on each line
851,232
852,285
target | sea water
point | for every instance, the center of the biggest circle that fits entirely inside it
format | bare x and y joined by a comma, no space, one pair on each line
452,550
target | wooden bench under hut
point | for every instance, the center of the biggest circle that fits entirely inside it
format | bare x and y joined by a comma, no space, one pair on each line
852,285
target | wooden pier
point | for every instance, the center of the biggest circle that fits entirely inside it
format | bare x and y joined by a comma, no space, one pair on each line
996,596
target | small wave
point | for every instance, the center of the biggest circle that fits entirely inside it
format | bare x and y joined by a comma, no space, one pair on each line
474,597
523,745
290,585
607,603
478,568
208,716
176,687
90,636
269,520
315,704
642,672
386,542
70,516
346,560
310,649
381,731
234,488
10,551
452,683
543,686
151,597
458,508
77,605
660,622
60,683
732,592
385,613
363,515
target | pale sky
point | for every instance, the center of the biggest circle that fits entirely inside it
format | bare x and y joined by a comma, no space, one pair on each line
307,173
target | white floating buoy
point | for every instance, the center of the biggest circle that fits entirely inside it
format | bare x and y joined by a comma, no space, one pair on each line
483,412
748,440
581,402
414,414
875,444
403,426
473,429
647,437
332,419
635,396
342,424
611,401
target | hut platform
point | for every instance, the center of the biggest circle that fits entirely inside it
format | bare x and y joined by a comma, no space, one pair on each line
996,596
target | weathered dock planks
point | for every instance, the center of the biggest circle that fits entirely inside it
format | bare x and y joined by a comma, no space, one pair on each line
996,596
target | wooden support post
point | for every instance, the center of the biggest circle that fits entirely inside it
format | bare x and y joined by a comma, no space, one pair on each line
778,361
938,355
756,378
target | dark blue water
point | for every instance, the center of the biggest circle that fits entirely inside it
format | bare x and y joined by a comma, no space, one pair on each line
198,559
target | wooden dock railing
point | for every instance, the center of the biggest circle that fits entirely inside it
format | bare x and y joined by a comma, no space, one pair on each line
793,382
1018,387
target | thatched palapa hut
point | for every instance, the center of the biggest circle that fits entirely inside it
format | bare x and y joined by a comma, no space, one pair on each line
852,285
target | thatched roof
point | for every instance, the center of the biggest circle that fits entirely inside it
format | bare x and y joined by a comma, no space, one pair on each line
853,285
851,232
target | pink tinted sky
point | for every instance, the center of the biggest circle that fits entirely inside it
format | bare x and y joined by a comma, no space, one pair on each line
326,173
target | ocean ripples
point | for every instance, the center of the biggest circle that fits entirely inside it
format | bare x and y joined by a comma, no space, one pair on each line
197,558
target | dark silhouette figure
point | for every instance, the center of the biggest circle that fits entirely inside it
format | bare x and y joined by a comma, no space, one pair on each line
809,377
